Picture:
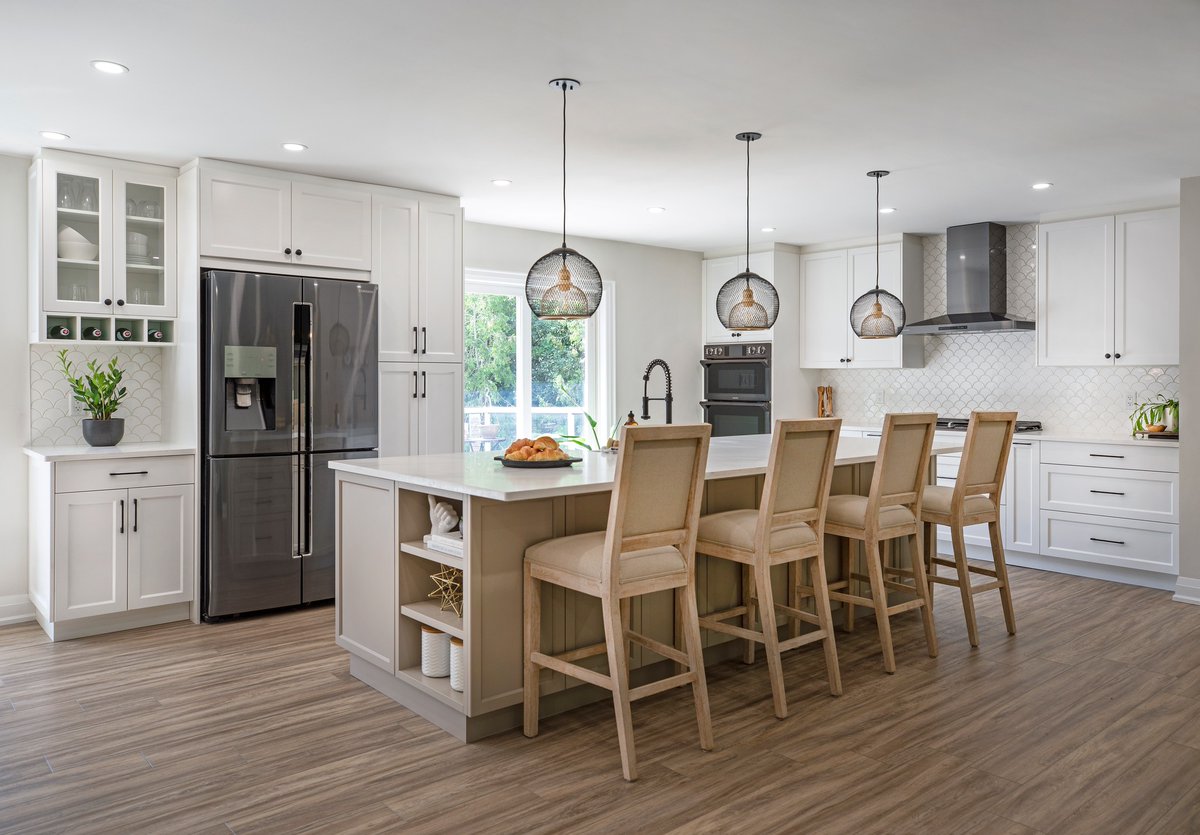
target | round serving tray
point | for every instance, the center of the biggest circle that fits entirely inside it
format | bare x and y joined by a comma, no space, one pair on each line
537,465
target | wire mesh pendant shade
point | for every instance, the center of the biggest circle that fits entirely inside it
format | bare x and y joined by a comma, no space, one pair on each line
877,314
747,302
563,284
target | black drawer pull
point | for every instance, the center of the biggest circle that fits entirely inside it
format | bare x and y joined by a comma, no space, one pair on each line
1108,492
122,517
1109,541
1104,455
135,501
132,472
1022,443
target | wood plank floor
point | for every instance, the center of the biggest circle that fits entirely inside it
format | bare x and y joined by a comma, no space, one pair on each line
1088,721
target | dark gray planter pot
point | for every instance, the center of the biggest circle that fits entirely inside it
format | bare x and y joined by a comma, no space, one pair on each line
103,432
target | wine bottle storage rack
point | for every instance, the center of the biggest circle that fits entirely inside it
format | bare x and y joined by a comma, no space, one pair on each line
111,330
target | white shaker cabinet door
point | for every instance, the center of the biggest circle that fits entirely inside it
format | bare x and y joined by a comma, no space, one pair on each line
399,391
874,353
824,310
1147,288
1075,292
394,269
161,530
90,546
440,276
245,216
331,227
440,405
1022,489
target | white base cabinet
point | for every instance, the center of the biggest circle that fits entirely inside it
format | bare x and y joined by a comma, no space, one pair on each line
100,548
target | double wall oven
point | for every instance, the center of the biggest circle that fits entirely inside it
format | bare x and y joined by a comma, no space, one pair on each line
737,388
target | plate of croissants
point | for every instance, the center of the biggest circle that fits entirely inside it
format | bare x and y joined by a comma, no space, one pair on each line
535,454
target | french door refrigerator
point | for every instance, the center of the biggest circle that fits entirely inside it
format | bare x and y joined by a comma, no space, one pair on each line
290,382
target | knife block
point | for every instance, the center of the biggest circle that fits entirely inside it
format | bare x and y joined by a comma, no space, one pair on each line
824,401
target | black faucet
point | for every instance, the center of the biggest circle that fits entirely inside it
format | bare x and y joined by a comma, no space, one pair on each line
646,398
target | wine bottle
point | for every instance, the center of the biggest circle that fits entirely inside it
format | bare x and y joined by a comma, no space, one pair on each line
59,331
156,336
92,332
124,334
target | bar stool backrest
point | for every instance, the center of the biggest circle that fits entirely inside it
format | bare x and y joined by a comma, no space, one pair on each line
985,455
902,467
799,474
657,492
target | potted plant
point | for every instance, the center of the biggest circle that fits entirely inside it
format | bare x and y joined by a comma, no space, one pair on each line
100,391
1161,415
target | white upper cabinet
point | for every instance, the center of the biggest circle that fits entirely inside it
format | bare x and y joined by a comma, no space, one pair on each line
394,229
440,280
256,215
717,271
874,353
1108,290
824,289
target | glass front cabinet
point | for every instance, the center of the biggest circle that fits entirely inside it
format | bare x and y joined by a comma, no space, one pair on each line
104,249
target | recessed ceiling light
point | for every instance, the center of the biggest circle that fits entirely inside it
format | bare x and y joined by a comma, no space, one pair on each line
502,183
1041,186
294,146
54,136
887,210
110,67
768,228
656,210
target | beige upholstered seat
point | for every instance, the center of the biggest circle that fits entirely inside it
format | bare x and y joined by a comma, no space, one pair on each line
891,510
649,545
974,499
787,528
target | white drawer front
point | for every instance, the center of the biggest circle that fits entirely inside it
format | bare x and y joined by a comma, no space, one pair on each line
1127,494
115,473
1149,546
1145,456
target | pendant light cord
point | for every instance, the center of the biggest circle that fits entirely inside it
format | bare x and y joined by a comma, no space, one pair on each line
748,214
876,238
564,168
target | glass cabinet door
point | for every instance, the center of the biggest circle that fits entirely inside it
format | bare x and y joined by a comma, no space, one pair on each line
143,244
77,267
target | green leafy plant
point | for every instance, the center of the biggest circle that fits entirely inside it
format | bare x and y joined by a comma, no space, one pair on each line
1154,413
579,440
100,390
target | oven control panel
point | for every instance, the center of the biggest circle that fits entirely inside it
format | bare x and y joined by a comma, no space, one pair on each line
756,350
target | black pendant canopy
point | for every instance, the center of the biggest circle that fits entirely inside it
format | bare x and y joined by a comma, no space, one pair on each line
877,314
747,302
563,284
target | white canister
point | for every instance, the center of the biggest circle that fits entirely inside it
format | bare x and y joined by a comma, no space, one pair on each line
435,653
457,665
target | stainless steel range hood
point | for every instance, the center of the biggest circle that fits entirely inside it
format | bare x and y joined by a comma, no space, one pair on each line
976,284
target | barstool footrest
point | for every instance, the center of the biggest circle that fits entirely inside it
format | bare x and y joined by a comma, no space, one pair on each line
730,629
801,640
995,584
659,686
583,652
657,646
906,606
798,614
726,614
572,670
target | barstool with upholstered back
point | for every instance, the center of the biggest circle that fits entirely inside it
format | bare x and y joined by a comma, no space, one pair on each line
974,499
649,545
891,510
787,528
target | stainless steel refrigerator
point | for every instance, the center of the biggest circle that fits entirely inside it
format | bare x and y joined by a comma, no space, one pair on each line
290,382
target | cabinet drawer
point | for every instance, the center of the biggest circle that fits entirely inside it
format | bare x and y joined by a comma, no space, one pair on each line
1127,494
1148,546
1119,456
115,473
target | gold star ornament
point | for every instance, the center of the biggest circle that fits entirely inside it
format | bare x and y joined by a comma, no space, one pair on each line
448,587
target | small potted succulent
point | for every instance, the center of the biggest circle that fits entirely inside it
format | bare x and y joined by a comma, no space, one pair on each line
1161,415
100,391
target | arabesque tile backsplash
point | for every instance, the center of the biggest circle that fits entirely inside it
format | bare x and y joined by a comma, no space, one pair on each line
997,370
51,421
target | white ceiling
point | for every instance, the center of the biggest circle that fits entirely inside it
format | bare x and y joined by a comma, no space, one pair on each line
968,103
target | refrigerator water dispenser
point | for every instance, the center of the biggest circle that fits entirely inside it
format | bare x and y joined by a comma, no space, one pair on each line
249,388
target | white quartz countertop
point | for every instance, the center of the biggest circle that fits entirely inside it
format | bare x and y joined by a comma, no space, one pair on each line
478,474
1068,437
99,453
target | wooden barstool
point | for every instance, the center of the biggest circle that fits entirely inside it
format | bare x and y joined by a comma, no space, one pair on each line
787,528
649,546
891,510
974,499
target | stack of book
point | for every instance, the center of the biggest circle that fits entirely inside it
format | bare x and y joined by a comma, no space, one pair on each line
447,543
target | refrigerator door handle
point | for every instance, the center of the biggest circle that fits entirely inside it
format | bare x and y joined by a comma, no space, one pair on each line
306,515
297,516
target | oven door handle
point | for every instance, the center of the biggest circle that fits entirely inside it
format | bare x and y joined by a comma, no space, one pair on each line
707,363
765,405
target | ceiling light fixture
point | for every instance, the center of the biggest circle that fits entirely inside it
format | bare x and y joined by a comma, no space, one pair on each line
1041,186
294,146
656,210
747,302
887,210
768,229
563,284
877,314
54,136
502,183
110,67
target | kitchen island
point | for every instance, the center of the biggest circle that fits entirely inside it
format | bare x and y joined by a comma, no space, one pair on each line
384,568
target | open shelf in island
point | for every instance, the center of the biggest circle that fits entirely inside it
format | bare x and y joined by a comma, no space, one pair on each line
430,613
418,548
439,688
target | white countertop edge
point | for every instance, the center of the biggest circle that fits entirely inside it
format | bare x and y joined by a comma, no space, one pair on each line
1049,436
93,453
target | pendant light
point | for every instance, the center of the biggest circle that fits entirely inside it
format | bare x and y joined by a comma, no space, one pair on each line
563,284
747,302
877,314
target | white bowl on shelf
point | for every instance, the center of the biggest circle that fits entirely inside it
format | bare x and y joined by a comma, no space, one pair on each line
77,251
70,233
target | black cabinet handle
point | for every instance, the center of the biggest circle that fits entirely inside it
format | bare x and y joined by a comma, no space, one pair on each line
1108,492
1117,356
108,302
843,359
135,515
424,340
287,251
1109,541
120,302
414,339
122,517
414,382
849,359
131,472
423,382
1022,443
1103,455
1108,356
299,252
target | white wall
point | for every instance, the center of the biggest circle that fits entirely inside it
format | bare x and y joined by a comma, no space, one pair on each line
14,384
658,294
1188,587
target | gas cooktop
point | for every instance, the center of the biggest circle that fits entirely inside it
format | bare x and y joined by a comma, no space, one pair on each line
960,425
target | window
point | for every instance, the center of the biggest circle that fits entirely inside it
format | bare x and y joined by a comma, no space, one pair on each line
523,376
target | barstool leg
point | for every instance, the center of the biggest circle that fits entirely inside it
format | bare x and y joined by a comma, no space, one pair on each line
964,582
820,588
879,597
770,633
533,637
748,595
618,673
926,591
848,546
685,598
929,529
1010,619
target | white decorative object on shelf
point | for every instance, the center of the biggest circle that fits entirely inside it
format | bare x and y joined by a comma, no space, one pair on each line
442,516
435,653
457,667
447,543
